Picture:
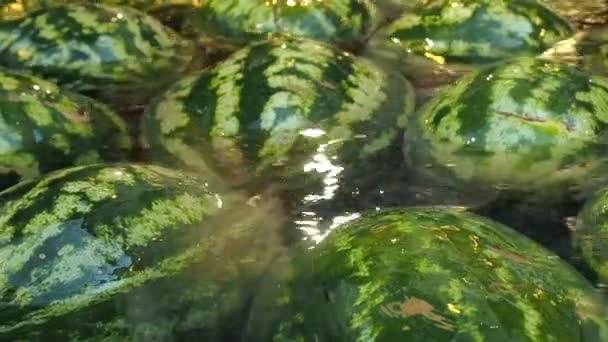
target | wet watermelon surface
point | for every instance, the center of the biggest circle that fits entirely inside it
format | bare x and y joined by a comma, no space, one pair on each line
294,170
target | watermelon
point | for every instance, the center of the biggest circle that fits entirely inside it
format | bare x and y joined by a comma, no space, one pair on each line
21,6
123,252
233,23
473,31
102,50
426,274
529,125
591,233
287,109
44,128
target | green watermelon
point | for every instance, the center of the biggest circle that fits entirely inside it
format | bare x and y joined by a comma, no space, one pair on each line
20,7
236,22
473,31
591,233
529,125
44,128
96,49
287,109
117,252
426,274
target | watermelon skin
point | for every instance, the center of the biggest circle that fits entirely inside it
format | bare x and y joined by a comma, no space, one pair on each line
19,7
98,49
427,274
45,128
287,109
236,22
123,251
528,125
474,32
591,233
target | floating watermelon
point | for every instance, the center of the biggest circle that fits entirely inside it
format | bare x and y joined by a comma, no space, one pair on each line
123,252
94,48
236,22
427,274
439,41
44,128
529,125
472,31
286,109
591,233
20,7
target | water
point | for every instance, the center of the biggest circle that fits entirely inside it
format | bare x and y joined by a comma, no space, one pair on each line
286,218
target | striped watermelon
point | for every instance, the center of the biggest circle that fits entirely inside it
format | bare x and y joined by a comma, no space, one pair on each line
528,125
473,31
44,128
95,48
427,274
287,109
19,7
236,22
591,233
121,252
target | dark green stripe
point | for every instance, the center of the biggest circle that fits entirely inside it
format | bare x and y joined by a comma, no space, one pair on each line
147,33
332,96
475,112
522,90
383,119
550,21
254,81
200,106
357,8
439,114
562,100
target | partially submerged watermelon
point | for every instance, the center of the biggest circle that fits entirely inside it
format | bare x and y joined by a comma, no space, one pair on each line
436,42
529,125
473,31
169,12
289,109
427,274
124,252
95,48
591,233
44,128
237,22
